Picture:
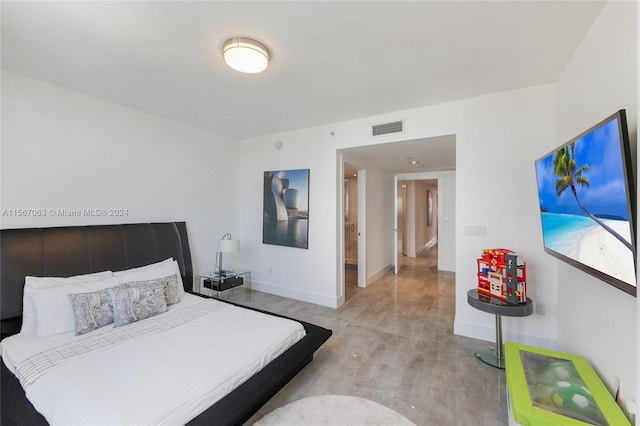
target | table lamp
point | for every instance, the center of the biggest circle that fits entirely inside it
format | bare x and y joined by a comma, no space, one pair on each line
226,245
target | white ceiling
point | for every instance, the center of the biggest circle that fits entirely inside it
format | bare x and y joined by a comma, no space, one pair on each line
331,61
435,154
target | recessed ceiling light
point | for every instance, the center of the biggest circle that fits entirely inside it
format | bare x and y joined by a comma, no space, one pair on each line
245,55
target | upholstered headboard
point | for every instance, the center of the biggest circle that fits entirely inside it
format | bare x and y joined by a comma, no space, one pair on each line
75,250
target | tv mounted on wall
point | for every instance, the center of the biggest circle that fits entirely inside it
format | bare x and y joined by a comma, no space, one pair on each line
587,203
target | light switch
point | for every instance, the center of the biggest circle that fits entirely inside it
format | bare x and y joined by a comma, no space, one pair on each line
475,230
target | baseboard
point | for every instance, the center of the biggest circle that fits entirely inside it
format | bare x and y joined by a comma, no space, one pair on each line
303,296
379,274
318,299
432,242
426,246
488,334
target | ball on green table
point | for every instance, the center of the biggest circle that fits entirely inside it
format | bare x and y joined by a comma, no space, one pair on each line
573,397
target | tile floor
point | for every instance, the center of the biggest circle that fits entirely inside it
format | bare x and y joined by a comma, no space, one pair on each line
393,343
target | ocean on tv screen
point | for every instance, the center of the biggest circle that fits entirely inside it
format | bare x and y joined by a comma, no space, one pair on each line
582,239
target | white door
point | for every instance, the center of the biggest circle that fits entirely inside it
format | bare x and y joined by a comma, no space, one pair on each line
362,228
397,225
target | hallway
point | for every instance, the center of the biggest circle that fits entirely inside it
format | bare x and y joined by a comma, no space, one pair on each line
393,343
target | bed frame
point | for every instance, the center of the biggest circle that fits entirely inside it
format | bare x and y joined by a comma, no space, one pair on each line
68,251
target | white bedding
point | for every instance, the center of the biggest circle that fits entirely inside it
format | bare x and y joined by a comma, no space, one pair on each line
163,370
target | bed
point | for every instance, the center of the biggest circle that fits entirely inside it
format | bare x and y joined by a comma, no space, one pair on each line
71,251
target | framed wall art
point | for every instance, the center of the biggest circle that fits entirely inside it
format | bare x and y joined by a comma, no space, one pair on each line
285,212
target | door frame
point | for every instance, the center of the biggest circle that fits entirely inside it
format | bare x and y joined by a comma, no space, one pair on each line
362,225
406,177
397,224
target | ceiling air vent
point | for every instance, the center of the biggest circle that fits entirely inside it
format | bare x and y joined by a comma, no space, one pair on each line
386,128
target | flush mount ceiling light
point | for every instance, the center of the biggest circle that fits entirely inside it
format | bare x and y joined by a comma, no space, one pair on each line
245,55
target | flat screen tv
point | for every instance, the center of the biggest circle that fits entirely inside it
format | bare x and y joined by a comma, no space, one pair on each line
587,203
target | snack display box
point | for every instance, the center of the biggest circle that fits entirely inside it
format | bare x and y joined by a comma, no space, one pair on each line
553,388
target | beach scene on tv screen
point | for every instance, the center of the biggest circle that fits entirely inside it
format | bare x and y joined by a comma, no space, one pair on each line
584,203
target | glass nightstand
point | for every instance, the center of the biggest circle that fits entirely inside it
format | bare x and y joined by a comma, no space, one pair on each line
223,285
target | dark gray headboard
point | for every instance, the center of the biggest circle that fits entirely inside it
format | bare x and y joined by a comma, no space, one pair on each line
75,250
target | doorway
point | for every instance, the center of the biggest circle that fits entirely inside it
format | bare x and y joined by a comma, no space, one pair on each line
400,219
350,203
351,217
416,222
354,267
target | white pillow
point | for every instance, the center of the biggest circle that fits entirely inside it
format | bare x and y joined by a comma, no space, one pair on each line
154,271
53,310
145,268
28,314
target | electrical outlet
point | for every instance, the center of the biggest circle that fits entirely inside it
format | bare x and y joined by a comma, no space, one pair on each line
270,269
540,308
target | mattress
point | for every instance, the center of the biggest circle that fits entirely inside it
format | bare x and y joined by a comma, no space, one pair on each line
164,370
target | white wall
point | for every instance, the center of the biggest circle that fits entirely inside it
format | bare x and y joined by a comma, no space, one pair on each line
380,217
496,138
409,215
447,238
496,145
600,79
305,274
65,150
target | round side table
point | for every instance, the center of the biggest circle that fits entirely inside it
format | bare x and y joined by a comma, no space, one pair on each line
494,355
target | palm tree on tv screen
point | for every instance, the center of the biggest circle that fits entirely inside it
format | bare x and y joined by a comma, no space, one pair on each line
570,175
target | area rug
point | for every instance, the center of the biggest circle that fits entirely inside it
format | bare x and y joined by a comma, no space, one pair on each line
333,410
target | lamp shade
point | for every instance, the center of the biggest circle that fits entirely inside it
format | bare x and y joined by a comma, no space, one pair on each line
229,246
245,55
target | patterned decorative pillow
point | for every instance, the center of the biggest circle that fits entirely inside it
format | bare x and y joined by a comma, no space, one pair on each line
171,289
131,304
170,283
91,311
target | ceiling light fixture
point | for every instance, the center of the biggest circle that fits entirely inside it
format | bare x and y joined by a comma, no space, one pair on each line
245,55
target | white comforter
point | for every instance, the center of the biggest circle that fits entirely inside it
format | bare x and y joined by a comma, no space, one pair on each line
163,370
